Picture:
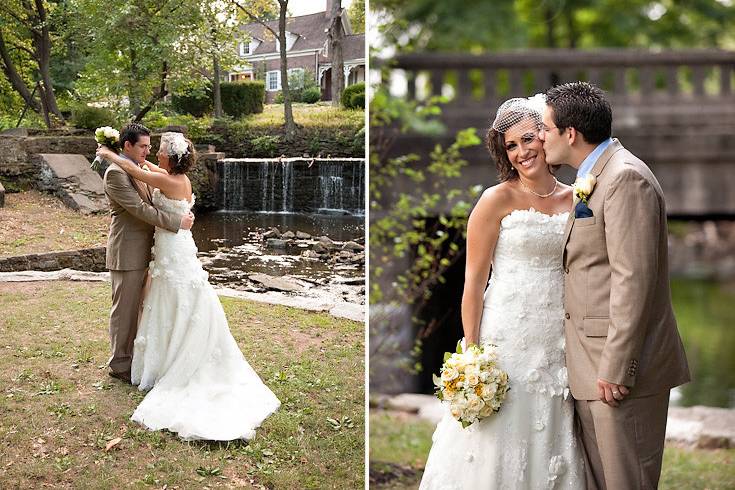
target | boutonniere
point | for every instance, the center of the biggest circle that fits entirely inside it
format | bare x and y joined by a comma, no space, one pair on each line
583,187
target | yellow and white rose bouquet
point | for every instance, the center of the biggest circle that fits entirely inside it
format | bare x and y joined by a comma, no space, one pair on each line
473,384
105,136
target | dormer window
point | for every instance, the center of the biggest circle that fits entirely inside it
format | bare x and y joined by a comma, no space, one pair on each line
244,49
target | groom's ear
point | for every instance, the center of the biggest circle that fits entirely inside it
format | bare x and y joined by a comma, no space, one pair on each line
572,135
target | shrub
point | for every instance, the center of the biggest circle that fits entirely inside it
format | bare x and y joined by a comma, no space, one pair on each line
86,117
358,100
350,92
196,102
279,98
312,95
265,146
241,98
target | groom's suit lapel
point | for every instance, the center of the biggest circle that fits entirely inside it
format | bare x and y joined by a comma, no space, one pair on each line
142,189
613,148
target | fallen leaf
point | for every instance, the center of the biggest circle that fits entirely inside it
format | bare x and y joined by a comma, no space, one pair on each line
113,443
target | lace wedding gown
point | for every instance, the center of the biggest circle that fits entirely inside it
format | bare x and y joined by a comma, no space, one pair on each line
201,386
529,443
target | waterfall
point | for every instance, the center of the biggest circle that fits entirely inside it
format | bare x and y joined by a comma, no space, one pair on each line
331,182
292,185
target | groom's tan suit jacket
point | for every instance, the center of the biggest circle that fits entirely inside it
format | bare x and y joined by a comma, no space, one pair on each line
133,221
620,324
128,254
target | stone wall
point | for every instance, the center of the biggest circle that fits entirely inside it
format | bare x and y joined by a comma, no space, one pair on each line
88,259
18,163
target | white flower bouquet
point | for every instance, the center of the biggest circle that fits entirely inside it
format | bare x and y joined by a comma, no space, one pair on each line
473,384
105,136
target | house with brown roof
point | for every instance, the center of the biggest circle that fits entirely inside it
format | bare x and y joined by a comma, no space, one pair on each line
307,49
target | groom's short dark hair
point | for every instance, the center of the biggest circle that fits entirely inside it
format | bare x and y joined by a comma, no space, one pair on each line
132,132
582,106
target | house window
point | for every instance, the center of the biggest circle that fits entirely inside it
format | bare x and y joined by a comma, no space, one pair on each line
273,81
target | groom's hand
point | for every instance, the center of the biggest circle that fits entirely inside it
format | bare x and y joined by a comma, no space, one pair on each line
610,393
187,221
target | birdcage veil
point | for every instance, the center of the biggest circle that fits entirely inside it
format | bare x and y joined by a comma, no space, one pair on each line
526,110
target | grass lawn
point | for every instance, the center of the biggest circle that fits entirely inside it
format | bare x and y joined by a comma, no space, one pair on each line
34,222
59,409
399,445
321,115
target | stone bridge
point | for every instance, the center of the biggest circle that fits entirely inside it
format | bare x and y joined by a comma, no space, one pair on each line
673,109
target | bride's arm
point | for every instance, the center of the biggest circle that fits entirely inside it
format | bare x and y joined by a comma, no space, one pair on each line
483,228
154,168
162,181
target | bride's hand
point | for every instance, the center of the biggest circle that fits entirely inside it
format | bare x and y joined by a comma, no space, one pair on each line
104,152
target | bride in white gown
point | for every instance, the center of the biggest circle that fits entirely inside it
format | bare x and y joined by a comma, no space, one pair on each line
201,386
517,227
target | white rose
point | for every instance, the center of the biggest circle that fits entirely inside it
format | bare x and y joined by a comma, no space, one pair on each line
486,411
449,373
489,390
109,132
585,184
474,403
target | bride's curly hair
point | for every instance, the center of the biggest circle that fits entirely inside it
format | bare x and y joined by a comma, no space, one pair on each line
182,164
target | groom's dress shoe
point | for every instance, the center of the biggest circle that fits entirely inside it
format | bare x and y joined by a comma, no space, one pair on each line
121,376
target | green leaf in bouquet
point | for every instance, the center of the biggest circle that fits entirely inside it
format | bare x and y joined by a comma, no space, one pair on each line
447,355
459,346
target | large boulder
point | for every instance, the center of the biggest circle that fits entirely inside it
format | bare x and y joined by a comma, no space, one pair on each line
71,178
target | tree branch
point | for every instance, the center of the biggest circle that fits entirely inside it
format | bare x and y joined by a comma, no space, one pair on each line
160,94
255,18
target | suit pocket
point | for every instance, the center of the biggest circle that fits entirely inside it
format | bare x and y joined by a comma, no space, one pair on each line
596,327
584,221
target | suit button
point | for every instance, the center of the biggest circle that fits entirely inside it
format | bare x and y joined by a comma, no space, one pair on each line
566,270
566,315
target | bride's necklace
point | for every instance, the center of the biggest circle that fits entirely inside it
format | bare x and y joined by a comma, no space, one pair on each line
528,189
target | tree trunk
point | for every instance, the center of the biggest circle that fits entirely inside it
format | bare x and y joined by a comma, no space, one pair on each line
42,44
15,79
216,92
336,34
287,111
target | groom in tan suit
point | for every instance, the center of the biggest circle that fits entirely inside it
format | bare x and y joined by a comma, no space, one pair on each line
129,244
623,349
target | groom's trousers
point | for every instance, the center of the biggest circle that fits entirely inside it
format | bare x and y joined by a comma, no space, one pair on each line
623,446
127,291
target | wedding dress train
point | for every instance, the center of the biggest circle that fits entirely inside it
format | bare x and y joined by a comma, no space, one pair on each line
201,386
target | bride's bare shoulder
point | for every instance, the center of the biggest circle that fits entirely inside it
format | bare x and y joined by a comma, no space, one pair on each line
495,202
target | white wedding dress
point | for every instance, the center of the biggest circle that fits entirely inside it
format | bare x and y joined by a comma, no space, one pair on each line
201,386
530,442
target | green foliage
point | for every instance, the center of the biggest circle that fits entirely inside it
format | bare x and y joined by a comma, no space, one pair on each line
312,95
353,97
302,87
87,117
356,13
410,223
196,127
196,102
265,146
241,98
481,26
